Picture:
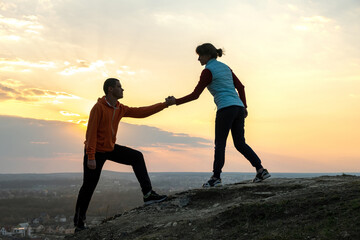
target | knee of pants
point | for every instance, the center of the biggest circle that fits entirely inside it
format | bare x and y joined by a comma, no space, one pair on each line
219,147
240,146
139,157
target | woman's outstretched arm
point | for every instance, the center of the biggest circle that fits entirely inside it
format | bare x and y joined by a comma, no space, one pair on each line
205,80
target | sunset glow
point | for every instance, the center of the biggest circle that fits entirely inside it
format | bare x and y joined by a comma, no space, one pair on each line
299,62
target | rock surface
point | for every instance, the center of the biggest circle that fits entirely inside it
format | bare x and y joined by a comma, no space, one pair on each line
280,208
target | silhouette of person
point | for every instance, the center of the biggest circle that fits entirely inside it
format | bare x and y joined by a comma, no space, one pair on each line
100,146
231,110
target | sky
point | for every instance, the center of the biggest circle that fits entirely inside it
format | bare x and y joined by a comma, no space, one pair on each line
299,62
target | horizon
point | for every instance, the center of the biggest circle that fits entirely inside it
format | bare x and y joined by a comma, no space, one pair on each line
299,62
131,172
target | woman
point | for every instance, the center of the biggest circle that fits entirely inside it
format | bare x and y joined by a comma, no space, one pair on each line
231,110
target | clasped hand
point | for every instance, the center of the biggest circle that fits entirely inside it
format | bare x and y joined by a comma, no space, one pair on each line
170,100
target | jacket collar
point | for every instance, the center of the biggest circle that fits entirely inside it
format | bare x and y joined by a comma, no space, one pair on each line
105,101
210,61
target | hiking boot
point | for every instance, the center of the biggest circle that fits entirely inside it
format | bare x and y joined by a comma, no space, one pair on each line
213,182
80,228
153,197
261,176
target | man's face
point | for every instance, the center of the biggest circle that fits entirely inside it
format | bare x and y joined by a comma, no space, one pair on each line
117,91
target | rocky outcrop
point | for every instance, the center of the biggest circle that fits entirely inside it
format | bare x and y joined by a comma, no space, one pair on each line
300,208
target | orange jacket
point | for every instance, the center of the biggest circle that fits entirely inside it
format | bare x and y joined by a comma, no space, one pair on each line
104,121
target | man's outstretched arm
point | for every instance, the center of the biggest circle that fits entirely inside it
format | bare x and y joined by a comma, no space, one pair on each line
143,112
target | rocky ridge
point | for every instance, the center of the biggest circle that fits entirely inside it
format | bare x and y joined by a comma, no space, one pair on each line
326,207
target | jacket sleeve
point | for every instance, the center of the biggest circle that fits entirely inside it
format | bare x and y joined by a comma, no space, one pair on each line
143,112
240,88
91,132
205,80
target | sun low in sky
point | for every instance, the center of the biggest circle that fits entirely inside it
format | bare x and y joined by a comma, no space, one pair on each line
299,62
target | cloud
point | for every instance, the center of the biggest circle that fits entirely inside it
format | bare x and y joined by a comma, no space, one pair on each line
13,89
13,65
22,137
125,70
8,89
4,6
30,145
172,18
146,136
12,83
59,145
316,24
9,37
18,28
83,122
316,19
65,113
4,96
41,93
85,66
105,68
293,7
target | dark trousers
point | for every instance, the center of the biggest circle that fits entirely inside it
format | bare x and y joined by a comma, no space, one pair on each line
231,118
120,154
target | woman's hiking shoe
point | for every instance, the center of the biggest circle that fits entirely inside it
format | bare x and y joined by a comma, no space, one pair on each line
153,197
213,182
261,176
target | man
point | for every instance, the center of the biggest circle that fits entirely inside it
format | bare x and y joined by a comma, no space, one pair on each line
100,146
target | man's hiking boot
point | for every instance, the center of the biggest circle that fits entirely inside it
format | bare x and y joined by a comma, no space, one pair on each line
153,197
261,176
213,182
80,228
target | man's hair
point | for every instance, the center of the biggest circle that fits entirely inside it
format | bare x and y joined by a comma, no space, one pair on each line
110,82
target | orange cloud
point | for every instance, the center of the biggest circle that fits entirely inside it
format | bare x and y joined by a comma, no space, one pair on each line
4,96
12,89
11,83
13,65
65,113
82,122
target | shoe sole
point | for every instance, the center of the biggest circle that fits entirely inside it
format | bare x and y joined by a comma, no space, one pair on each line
266,176
257,180
216,185
155,201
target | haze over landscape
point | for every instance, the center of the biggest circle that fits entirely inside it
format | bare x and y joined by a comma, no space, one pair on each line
299,62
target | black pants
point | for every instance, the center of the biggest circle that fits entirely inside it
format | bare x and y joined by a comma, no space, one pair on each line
231,118
120,154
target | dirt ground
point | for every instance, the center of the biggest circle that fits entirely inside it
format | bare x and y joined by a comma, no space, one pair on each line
279,208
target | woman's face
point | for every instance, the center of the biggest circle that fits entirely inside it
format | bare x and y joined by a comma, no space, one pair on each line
203,59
